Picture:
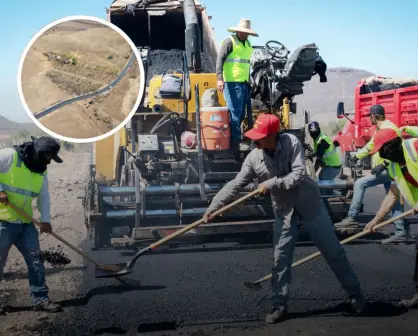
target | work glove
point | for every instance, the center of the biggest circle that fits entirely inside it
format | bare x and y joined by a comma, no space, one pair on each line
45,227
319,164
378,169
353,160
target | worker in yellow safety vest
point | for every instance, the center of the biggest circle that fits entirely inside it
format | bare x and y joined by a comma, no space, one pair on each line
378,176
23,178
402,155
233,74
327,156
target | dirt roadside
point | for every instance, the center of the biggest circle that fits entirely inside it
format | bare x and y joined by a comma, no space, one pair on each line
67,182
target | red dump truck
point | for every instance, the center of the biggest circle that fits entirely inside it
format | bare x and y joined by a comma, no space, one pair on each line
398,96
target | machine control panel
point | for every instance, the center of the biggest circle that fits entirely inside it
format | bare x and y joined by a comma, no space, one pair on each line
148,143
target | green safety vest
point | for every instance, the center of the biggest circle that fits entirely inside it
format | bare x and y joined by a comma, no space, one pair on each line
376,159
236,67
331,156
409,192
22,186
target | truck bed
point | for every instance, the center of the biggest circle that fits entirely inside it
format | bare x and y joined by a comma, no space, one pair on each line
401,106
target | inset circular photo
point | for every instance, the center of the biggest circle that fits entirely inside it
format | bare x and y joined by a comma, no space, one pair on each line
81,79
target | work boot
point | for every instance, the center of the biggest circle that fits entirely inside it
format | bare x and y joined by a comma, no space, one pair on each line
411,303
276,315
347,222
357,305
48,306
398,239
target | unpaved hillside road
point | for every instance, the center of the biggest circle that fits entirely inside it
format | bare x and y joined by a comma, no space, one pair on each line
103,90
67,182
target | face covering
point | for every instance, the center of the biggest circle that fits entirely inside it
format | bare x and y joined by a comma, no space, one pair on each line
314,135
393,151
35,160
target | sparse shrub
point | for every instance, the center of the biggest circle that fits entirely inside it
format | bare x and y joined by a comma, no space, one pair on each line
69,146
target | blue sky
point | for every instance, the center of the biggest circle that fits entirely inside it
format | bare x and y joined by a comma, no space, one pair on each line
376,35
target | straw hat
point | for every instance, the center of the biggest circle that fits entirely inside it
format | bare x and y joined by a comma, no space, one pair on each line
244,26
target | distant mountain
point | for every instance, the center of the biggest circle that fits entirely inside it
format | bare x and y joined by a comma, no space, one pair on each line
322,98
9,127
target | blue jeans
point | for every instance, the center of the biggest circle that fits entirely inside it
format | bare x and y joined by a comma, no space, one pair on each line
329,173
321,231
401,226
236,95
26,239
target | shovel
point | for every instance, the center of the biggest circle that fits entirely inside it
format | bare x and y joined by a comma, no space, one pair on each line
103,273
62,240
256,285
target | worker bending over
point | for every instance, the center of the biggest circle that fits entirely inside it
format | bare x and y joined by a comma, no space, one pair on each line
23,177
279,163
327,156
403,169
233,72
378,176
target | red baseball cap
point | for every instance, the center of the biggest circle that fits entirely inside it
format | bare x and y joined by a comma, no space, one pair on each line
381,137
264,125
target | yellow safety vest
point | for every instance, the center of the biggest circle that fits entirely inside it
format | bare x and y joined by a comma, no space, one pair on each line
22,186
236,67
409,192
376,159
331,156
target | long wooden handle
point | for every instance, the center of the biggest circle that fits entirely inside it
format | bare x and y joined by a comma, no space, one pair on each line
345,241
62,240
202,220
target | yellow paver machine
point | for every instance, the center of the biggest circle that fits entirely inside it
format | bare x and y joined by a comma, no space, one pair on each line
159,172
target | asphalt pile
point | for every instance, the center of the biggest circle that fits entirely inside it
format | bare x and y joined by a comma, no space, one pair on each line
165,60
54,256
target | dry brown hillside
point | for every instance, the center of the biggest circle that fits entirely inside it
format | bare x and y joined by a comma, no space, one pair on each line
322,98
73,59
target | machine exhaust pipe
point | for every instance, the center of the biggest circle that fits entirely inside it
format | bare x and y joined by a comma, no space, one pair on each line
193,43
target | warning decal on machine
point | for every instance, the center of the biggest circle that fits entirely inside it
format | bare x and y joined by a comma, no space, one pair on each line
216,118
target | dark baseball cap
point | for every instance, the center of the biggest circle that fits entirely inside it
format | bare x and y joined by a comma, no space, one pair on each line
377,110
49,146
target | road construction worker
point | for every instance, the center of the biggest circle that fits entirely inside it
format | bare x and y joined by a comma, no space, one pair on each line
23,177
327,156
403,169
279,164
378,176
233,73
